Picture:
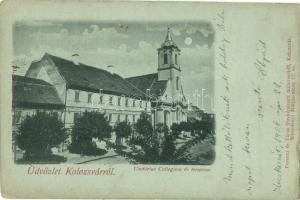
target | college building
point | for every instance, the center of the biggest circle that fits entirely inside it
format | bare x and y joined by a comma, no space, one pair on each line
68,87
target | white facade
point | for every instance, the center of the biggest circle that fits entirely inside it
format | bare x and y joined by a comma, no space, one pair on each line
114,106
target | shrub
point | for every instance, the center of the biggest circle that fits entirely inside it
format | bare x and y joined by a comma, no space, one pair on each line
87,126
203,128
39,133
185,126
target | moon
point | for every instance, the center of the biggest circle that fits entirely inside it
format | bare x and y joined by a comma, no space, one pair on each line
188,41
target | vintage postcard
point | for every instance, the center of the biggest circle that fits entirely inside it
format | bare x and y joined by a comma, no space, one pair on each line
156,100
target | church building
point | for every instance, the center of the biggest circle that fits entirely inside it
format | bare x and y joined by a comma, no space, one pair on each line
168,104
80,88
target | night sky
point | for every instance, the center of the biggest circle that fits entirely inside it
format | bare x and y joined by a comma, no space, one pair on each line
131,47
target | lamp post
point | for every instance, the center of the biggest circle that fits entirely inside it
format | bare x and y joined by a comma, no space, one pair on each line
100,93
202,98
211,102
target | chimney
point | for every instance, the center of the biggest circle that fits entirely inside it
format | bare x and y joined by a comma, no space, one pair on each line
110,68
75,59
148,92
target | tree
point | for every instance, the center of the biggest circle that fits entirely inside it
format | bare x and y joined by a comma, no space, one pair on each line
148,138
161,128
184,126
123,130
39,133
87,126
143,125
168,149
176,129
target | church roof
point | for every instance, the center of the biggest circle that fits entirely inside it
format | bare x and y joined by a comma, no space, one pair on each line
151,82
88,78
28,92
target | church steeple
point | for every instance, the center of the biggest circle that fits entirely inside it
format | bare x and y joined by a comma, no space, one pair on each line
168,37
169,41
169,65
168,54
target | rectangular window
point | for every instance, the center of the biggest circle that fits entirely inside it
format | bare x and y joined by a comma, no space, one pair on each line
176,59
119,118
89,98
76,96
141,104
126,102
119,101
110,117
133,118
126,118
133,103
101,99
110,100
165,58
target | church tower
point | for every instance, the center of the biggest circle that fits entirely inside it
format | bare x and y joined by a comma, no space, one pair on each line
169,66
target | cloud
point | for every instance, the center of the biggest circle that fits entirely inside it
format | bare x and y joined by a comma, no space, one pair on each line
176,31
191,30
35,53
127,62
89,39
204,30
197,70
175,28
105,33
37,23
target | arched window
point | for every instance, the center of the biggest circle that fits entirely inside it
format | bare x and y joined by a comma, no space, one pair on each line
177,83
110,100
119,101
176,59
165,58
76,96
89,98
101,99
141,104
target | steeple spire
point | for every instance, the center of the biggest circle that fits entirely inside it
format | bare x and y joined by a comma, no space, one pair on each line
168,37
168,41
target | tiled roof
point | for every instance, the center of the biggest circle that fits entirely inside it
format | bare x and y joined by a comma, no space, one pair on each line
149,81
28,92
84,77
158,88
